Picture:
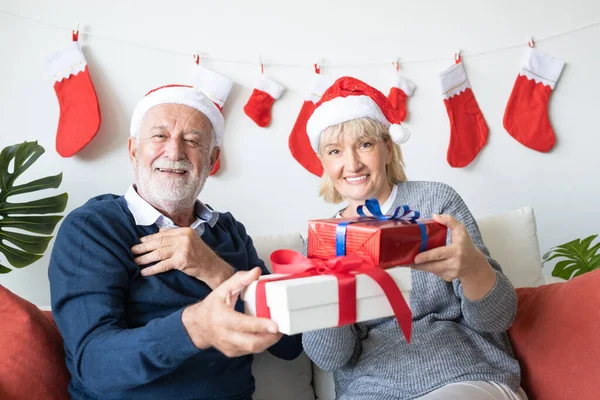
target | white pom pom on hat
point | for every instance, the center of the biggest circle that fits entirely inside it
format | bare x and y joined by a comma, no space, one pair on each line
347,99
179,94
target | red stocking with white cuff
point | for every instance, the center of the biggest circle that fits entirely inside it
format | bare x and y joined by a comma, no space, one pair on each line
298,141
217,88
526,114
400,91
266,91
468,130
79,119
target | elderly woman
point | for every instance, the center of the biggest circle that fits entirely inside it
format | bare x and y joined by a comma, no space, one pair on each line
462,303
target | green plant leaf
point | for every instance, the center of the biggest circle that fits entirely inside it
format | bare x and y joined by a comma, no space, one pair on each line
556,255
569,245
585,243
592,250
48,205
29,243
21,249
18,258
43,224
595,262
565,271
49,182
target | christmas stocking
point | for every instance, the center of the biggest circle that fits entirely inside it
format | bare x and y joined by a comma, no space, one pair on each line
468,130
258,108
298,141
526,115
401,90
216,87
79,119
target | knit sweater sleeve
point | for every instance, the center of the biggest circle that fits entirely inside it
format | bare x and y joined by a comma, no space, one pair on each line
496,311
89,281
333,348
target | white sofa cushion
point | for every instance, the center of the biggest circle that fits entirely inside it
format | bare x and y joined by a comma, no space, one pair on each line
511,238
265,245
278,379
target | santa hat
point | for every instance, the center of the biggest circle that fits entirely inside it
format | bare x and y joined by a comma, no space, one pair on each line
179,94
347,99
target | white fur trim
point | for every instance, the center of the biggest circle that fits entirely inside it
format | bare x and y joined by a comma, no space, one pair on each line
215,86
542,67
405,84
65,62
399,133
269,86
341,109
454,80
318,86
190,97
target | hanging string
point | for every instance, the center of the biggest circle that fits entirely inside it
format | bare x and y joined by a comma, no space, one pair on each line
297,65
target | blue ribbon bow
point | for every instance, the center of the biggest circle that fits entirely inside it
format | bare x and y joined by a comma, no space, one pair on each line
403,213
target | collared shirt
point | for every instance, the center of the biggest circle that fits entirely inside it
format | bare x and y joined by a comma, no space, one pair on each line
144,214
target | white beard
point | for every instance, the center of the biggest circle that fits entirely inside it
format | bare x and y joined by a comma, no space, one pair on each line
171,194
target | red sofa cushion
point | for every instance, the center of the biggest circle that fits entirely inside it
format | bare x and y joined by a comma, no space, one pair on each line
556,338
32,360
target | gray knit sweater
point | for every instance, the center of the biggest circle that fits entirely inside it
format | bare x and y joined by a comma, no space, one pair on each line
454,339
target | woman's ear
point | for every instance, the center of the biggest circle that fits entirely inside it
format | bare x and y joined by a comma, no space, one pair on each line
389,144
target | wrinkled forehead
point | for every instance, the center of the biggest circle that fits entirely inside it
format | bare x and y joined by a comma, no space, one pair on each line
176,116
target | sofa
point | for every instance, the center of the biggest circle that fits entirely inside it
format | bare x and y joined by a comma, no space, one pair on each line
554,336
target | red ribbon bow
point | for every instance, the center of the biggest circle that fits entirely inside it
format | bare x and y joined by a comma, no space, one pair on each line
344,268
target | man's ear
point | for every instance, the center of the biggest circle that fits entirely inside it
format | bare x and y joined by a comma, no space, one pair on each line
132,150
214,156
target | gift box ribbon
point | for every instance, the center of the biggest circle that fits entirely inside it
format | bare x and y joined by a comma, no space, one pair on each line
344,269
402,213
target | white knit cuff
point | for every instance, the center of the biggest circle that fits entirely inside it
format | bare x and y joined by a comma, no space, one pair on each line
318,86
269,86
454,80
215,86
65,62
542,67
405,84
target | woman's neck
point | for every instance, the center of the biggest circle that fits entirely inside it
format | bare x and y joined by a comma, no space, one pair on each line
353,204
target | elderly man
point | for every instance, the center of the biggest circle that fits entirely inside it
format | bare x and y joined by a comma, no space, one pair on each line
145,286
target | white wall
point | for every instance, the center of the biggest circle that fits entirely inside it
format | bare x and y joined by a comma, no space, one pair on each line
260,182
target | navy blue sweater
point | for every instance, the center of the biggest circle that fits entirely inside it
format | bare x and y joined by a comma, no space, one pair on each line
122,332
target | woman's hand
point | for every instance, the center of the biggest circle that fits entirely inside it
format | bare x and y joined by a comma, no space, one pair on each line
459,260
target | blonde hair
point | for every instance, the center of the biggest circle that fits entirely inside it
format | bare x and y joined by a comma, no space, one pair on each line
361,127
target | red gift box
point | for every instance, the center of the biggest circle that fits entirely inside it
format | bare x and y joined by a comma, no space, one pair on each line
387,243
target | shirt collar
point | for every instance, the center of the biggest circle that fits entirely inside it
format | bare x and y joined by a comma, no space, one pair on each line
144,214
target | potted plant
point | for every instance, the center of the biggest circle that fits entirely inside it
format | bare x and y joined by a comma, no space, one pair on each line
36,218
578,257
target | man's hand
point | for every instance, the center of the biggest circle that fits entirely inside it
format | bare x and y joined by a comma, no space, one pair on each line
184,250
461,259
214,322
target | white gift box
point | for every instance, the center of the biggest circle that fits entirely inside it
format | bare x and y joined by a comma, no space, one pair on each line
306,304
